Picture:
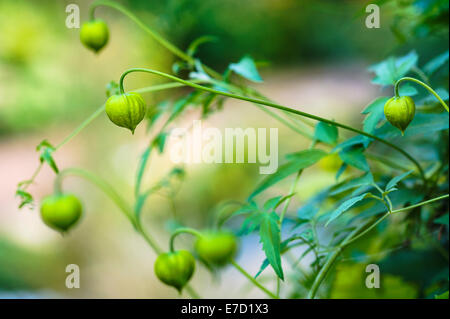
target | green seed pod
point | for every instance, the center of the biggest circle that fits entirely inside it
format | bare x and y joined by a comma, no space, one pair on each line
94,34
126,110
175,268
216,248
61,212
400,111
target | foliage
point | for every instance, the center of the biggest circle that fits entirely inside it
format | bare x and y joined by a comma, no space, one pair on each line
394,190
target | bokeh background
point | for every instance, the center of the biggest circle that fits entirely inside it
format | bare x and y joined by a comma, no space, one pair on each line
312,54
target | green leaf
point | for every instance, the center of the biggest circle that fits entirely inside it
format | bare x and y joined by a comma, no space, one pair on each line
269,233
430,98
160,141
433,65
200,73
393,182
366,179
408,90
443,220
308,211
46,150
326,133
354,157
283,248
392,69
375,111
271,203
355,140
299,161
346,206
250,223
421,124
246,68
25,198
246,209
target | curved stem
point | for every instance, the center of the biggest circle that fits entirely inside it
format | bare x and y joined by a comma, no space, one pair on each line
156,36
102,185
93,116
183,230
276,106
397,84
253,280
359,232
120,202
330,261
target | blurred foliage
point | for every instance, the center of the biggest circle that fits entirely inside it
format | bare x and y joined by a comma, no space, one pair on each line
410,248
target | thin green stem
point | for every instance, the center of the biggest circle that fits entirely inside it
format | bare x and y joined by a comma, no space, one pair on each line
156,36
102,185
378,221
292,189
420,204
276,106
330,261
123,206
184,230
253,280
367,230
397,84
93,116
421,74
359,232
80,127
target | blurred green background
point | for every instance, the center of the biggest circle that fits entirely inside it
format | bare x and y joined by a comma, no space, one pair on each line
313,54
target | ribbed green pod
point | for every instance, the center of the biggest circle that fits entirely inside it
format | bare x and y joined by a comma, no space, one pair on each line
94,34
175,268
400,111
126,110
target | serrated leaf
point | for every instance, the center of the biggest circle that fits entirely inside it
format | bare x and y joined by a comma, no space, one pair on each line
246,68
365,179
250,223
346,206
393,182
269,233
283,246
392,69
326,133
354,157
299,161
